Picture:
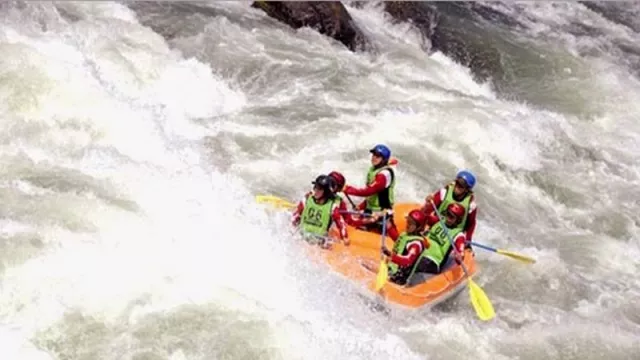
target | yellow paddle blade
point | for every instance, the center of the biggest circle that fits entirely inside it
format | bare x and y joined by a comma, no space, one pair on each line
516,256
383,274
274,201
481,303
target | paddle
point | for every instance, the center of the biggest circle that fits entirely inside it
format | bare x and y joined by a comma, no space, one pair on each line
383,271
510,254
353,205
284,204
274,201
479,300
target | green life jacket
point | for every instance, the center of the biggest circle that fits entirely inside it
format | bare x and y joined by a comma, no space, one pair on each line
448,199
339,200
384,199
400,247
439,243
316,218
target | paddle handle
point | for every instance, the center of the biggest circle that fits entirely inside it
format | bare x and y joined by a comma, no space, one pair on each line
384,232
483,246
353,205
359,213
446,231
354,213
510,254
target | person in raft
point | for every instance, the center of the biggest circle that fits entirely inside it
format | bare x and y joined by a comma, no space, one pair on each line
318,211
350,219
379,191
413,253
460,192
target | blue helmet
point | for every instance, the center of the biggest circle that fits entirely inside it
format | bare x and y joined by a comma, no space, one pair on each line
468,177
382,150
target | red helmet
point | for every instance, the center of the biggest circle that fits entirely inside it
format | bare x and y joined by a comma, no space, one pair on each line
418,217
339,178
456,210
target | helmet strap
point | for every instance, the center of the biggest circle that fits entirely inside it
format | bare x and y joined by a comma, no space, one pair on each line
466,193
456,221
382,164
411,221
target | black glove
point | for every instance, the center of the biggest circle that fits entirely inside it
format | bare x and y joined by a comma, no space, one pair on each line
386,252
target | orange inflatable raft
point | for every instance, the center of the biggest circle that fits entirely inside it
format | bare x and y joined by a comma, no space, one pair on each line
360,260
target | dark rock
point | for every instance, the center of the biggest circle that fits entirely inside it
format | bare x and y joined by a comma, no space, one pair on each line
620,12
424,18
356,4
467,45
327,17
162,17
452,29
494,16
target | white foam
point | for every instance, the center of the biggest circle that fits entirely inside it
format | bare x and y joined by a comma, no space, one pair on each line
108,98
16,345
126,91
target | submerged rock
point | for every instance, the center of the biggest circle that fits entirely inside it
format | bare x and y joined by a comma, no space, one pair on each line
327,17
620,12
424,18
451,28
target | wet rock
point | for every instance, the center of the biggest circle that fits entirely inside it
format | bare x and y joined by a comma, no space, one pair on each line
620,12
173,19
469,46
327,17
452,29
357,4
424,18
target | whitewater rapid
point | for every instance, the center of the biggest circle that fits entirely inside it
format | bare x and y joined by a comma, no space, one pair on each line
130,163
